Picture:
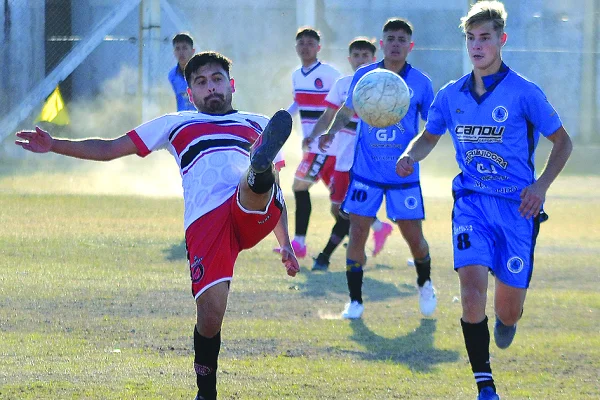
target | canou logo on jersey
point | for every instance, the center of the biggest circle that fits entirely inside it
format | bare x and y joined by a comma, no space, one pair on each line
479,133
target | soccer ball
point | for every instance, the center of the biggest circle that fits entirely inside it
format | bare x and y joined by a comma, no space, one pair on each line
381,98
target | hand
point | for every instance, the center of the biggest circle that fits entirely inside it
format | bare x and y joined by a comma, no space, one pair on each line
325,141
38,141
405,166
532,199
288,259
306,143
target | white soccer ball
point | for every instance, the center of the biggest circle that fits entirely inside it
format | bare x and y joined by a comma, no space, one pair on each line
381,98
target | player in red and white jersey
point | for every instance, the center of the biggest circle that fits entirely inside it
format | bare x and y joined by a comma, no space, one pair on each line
311,83
231,198
361,51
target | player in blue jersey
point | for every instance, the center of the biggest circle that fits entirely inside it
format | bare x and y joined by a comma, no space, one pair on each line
495,117
183,50
373,176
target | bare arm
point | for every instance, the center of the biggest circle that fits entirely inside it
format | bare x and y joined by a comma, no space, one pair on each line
534,195
288,258
40,141
341,119
416,151
320,126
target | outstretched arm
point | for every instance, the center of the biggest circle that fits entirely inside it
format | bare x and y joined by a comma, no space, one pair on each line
417,150
320,126
40,141
342,117
288,258
533,196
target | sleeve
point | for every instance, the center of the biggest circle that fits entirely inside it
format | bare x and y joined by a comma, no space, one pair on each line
334,97
293,108
152,135
540,112
436,122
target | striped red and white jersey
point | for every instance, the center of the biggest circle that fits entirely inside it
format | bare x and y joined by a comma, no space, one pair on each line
310,88
212,151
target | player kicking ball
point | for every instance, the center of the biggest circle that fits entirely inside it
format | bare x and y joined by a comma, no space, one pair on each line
495,117
229,184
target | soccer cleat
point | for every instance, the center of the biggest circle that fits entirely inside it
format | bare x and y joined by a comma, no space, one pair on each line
380,236
299,249
504,334
353,310
266,147
427,298
321,263
488,393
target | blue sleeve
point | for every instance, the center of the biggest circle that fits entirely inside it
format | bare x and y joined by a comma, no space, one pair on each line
540,112
436,122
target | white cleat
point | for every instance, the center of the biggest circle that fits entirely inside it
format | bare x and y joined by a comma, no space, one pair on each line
427,299
353,310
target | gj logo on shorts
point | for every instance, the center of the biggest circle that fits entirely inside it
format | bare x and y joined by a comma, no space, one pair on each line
515,264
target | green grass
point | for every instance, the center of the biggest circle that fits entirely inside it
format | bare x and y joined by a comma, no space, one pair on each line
95,304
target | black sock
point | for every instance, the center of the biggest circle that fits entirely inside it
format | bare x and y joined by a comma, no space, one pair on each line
303,209
206,354
423,267
261,182
354,276
339,231
477,342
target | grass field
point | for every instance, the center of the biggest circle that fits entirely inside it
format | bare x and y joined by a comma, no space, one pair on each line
95,304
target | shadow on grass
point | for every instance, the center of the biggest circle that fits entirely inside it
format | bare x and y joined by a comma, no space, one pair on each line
416,350
176,252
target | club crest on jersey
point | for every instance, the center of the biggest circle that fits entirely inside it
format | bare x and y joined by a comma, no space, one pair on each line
255,125
500,114
515,264
197,270
318,83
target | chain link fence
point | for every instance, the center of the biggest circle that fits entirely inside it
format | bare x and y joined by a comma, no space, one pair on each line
554,43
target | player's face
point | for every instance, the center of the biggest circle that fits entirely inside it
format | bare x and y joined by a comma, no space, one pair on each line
183,52
396,45
484,46
360,57
211,89
307,49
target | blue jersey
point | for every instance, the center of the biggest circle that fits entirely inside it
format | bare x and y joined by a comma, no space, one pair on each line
378,149
495,135
180,86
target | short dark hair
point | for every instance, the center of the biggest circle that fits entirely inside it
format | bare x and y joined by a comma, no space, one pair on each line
362,43
183,38
398,24
199,60
308,32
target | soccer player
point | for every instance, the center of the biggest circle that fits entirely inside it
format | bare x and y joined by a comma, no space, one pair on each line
231,198
495,117
311,82
361,51
183,50
373,175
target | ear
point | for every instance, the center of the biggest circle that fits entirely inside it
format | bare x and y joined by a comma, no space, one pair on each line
190,96
232,84
503,38
412,44
381,43
318,48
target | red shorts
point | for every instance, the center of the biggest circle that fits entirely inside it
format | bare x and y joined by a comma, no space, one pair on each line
214,240
340,180
315,167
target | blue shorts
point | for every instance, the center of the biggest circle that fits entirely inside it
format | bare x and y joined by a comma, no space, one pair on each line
402,201
489,231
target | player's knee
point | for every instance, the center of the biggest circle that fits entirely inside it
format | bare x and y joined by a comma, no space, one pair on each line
508,316
473,304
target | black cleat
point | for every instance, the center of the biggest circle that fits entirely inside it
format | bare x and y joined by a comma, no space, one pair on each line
321,263
268,144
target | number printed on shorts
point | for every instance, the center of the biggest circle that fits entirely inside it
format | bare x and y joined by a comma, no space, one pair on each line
359,195
463,241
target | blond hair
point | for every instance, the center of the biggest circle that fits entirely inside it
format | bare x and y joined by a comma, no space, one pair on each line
484,11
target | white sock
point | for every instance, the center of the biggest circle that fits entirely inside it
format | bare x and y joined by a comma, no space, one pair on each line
377,225
300,240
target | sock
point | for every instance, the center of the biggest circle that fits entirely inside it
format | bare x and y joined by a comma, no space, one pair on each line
423,267
300,240
477,342
303,209
206,353
261,182
354,276
339,231
377,225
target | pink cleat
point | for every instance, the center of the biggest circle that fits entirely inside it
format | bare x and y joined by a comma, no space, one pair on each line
299,250
380,236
